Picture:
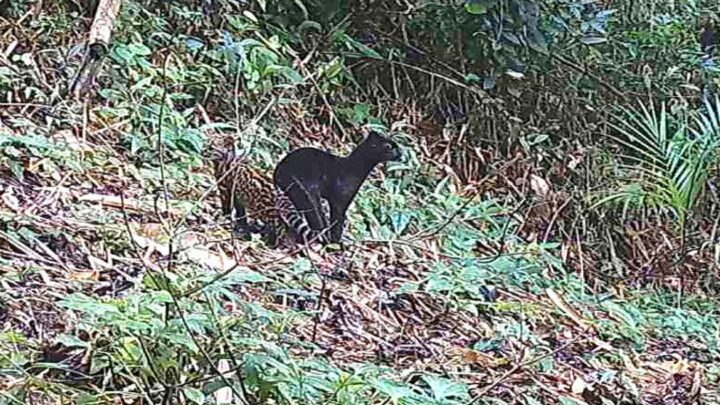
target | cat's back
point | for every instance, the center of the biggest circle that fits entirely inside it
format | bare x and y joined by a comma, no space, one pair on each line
305,162
309,153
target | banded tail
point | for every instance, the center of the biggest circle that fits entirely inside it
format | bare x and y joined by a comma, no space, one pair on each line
296,221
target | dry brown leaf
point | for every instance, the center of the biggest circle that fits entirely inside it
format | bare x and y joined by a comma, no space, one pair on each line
10,200
144,236
574,162
539,185
679,367
224,395
566,308
153,230
579,386
130,204
84,275
468,356
204,256
34,163
697,385
152,238
72,142
97,263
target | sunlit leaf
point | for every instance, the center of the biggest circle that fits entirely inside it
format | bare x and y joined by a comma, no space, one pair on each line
477,6
593,40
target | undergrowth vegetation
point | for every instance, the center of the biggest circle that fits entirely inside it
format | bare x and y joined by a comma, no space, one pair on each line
550,235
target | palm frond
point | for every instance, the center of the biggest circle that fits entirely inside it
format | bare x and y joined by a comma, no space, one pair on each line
671,168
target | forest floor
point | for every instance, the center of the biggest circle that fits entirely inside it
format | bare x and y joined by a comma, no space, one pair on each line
97,233
401,303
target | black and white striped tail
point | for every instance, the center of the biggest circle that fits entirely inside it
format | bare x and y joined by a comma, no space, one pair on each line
297,222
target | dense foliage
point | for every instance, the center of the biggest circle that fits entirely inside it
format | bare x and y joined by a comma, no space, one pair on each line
549,236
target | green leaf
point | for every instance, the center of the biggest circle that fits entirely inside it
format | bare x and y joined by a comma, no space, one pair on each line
289,73
531,401
122,53
70,341
536,40
333,68
395,391
309,24
512,38
368,52
472,78
570,401
83,303
139,49
400,221
620,313
438,283
145,82
17,169
445,389
361,112
194,395
477,6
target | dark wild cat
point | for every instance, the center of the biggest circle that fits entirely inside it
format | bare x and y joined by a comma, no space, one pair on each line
307,176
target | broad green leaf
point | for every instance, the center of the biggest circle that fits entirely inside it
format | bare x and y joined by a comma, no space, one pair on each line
194,395
445,389
477,6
